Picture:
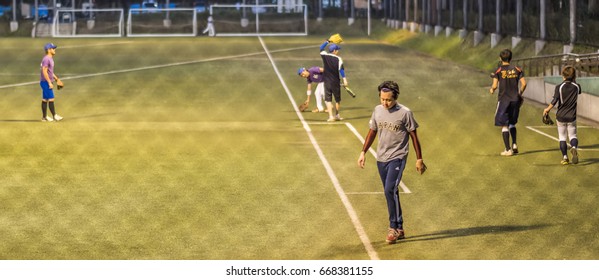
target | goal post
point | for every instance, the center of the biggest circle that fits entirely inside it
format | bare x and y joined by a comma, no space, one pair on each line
161,22
260,20
88,23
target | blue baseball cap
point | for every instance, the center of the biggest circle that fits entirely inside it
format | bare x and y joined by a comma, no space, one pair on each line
299,71
49,46
334,47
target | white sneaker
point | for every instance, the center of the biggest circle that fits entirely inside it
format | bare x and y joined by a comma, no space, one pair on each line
331,119
47,119
574,152
57,117
507,153
338,118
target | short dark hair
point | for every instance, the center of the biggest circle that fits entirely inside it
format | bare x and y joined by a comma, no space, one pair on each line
389,86
506,55
569,73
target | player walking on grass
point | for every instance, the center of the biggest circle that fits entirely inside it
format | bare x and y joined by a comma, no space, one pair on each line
394,124
333,72
509,99
47,84
566,98
314,75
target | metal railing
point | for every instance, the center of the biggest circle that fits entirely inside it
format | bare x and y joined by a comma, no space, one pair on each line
587,65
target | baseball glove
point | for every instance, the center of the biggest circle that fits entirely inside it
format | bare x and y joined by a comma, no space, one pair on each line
302,107
336,38
547,120
59,87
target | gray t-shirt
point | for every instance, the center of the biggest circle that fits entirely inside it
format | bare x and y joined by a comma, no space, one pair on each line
393,127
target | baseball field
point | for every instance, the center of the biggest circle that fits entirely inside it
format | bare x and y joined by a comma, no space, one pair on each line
193,149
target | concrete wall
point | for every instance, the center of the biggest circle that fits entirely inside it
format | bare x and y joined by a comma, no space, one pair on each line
540,91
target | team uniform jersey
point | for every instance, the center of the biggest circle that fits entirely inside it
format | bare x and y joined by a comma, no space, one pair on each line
48,62
566,97
332,64
508,77
315,75
508,98
393,127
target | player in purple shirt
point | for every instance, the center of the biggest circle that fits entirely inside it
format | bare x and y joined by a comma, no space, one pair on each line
314,75
47,78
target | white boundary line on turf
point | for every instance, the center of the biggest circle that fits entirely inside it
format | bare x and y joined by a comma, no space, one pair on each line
556,139
152,67
344,199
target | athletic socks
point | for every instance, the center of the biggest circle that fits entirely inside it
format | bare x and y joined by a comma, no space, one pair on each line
564,148
506,139
513,134
44,109
574,143
51,106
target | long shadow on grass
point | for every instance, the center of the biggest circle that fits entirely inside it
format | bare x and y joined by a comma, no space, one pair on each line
462,232
20,121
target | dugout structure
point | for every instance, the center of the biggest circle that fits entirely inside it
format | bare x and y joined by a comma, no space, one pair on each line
88,23
260,20
162,22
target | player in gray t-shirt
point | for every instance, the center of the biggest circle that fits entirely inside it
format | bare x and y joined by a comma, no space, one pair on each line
394,123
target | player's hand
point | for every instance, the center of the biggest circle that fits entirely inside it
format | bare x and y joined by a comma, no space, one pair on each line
420,166
51,85
361,160
546,111
491,91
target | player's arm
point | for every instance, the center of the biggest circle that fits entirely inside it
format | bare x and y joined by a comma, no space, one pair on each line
367,143
553,101
324,45
342,73
47,76
494,85
522,86
420,166
308,92
58,81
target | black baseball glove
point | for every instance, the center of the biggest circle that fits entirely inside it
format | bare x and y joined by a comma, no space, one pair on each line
547,120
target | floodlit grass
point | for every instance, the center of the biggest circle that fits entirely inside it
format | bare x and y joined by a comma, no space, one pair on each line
191,149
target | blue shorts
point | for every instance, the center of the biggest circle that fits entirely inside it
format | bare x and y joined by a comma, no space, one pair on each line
47,92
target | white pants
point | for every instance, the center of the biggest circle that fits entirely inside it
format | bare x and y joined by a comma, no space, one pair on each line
566,131
209,29
319,96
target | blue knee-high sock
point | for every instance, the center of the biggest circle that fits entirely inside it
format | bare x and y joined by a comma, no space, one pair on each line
563,147
574,143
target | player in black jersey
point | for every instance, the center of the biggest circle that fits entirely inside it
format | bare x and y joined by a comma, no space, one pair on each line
334,76
566,98
509,99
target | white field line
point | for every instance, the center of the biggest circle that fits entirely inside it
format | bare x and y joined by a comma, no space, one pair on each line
557,139
373,153
94,45
152,67
344,199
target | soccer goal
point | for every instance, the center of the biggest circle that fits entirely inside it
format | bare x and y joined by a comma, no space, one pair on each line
162,22
260,20
88,23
